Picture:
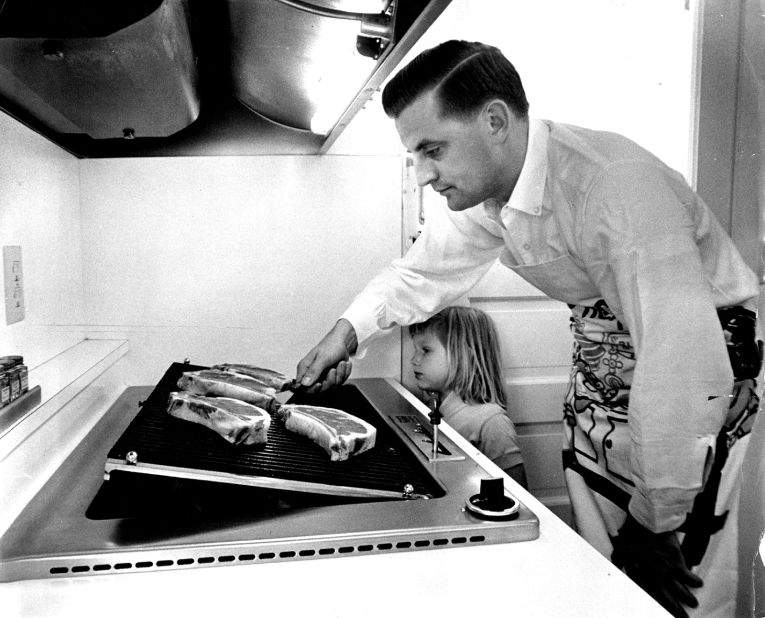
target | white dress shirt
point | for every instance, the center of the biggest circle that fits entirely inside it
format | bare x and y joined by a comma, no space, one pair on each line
595,216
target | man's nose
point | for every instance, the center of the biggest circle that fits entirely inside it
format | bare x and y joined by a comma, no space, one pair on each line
424,172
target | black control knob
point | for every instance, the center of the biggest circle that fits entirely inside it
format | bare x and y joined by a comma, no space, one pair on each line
491,502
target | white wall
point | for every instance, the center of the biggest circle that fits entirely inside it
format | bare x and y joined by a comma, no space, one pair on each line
39,210
234,259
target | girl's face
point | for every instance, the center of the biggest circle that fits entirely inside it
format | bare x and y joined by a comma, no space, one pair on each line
429,363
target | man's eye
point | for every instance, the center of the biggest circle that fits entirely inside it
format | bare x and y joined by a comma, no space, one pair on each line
433,152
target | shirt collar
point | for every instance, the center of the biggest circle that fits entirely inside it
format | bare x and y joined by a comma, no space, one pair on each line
529,190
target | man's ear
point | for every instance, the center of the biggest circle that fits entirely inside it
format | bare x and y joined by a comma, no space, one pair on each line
498,117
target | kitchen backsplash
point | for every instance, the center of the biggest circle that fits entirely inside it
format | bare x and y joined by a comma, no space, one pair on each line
40,212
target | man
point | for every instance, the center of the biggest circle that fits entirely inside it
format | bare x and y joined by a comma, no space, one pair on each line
662,310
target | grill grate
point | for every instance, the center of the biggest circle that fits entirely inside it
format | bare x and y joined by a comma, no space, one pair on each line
162,440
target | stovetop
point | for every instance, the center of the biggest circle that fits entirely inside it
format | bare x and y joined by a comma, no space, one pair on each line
80,524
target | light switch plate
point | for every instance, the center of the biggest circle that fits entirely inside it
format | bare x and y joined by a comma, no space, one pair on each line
14,284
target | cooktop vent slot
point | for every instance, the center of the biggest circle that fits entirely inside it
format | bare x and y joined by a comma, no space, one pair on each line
267,556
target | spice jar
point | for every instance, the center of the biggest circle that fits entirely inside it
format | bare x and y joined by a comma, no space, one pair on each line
5,389
23,378
12,367
14,375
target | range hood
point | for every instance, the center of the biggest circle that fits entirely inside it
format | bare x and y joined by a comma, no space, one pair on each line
199,77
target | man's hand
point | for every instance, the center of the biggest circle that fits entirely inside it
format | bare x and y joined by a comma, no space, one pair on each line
655,562
328,364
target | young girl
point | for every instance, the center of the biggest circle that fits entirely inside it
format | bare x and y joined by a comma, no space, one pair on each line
456,355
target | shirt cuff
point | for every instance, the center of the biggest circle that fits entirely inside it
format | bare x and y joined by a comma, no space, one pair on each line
665,508
366,328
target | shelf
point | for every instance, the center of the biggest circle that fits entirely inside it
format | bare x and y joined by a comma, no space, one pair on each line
79,385
19,408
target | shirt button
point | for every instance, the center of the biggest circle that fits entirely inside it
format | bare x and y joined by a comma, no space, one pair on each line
536,210
526,246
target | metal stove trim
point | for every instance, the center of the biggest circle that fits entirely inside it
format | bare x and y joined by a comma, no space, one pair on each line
252,481
288,550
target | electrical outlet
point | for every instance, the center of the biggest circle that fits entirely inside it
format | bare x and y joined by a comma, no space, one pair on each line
14,284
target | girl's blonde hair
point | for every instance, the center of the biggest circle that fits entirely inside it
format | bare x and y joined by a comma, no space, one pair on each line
472,353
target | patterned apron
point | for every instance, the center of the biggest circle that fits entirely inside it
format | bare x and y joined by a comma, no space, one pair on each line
597,444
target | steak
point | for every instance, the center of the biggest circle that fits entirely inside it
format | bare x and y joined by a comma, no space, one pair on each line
339,433
274,379
224,384
238,422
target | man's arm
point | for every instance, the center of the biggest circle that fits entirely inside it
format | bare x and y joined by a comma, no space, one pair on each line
453,252
642,249
645,243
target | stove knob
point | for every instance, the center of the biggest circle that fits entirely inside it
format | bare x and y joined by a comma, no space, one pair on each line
131,458
491,502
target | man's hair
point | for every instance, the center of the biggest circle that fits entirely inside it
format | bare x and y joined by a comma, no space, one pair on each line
472,353
464,76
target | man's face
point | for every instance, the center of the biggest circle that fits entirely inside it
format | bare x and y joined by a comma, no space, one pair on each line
454,156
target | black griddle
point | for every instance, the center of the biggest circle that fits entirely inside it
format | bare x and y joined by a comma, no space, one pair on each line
166,446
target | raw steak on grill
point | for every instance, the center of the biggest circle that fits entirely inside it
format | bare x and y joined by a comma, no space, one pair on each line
274,379
224,384
337,432
237,421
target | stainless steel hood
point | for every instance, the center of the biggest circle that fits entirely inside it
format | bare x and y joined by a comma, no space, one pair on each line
199,77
